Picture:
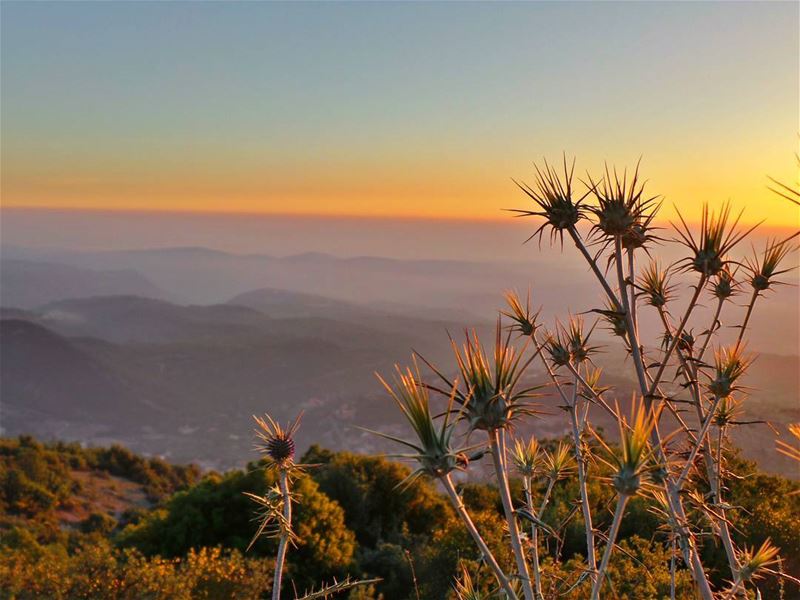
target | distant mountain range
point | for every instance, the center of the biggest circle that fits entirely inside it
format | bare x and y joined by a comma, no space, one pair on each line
104,349
27,283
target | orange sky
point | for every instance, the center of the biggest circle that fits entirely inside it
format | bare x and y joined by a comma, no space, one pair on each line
232,114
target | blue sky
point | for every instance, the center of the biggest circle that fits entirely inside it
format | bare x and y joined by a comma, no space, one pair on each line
387,108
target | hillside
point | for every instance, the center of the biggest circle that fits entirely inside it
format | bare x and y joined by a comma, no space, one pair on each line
104,522
27,283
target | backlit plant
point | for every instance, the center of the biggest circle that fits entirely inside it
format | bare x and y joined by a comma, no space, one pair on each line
672,449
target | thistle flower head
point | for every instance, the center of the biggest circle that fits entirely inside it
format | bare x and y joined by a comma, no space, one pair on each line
764,269
577,340
622,210
491,396
276,443
727,410
654,285
559,463
432,448
557,350
527,457
614,319
552,193
729,366
631,462
523,319
467,588
592,380
755,561
724,285
718,235
686,342
570,343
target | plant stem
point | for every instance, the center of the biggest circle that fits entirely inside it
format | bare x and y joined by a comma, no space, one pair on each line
537,578
591,561
701,436
622,500
496,440
711,329
633,339
597,397
750,306
576,237
677,334
283,482
550,483
631,276
674,501
461,510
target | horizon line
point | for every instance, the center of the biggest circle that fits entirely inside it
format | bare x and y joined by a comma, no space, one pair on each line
317,216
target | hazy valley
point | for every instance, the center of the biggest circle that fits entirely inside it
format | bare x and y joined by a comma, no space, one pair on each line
171,351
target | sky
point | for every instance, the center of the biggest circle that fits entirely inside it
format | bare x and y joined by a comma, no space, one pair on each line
392,109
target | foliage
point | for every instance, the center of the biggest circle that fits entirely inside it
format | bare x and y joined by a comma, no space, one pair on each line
97,570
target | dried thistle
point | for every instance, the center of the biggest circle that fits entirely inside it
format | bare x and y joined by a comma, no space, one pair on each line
622,210
490,395
527,457
432,450
524,320
654,285
729,366
718,236
631,462
763,270
553,195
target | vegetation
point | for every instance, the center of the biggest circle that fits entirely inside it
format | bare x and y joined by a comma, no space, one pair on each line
685,475
667,509
354,519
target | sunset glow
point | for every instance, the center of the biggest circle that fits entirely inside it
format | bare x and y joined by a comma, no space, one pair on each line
393,110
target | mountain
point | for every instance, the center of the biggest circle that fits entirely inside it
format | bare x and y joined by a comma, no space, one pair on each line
48,378
145,320
26,283
184,381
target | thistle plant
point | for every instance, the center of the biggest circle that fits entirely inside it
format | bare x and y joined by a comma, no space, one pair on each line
622,210
490,392
277,446
763,271
718,236
654,285
630,465
433,450
553,196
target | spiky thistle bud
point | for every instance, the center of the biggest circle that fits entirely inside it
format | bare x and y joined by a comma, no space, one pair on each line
725,286
764,270
622,211
559,463
553,195
654,285
718,236
524,320
558,351
276,442
729,365
527,457
754,561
